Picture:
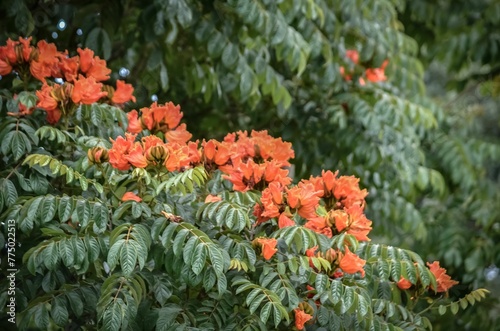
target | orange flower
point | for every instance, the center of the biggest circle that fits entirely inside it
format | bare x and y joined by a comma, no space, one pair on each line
268,246
178,135
269,148
377,74
284,220
257,212
69,67
8,52
134,125
212,198
353,55
215,152
245,176
348,192
47,62
47,102
169,114
131,196
444,281
351,263
304,198
99,71
93,66
5,67
45,99
194,153
178,157
87,91
353,220
318,224
404,283
123,93
119,151
301,317
136,156
86,58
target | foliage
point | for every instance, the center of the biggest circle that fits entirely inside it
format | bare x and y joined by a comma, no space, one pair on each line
290,67
135,231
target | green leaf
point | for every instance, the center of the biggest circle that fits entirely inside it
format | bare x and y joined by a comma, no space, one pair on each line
75,302
128,256
199,257
51,256
58,311
336,289
65,208
265,312
67,253
98,40
113,316
166,317
48,209
454,308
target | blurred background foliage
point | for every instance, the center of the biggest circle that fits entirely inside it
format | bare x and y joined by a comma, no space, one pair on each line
425,142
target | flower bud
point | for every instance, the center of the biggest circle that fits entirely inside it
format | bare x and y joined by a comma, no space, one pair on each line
109,89
34,54
97,155
306,308
19,53
61,93
157,154
330,255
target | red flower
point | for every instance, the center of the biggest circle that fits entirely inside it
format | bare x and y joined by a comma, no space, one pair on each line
347,191
178,135
353,220
178,157
268,246
377,74
119,151
444,281
136,156
404,283
93,66
284,220
301,317
353,55
5,67
86,58
131,196
8,53
351,263
134,125
194,153
304,198
123,93
99,71
215,152
87,91
47,102
45,99
47,62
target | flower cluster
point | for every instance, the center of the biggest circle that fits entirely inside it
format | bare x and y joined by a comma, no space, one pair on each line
150,151
159,118
81,76
328,204
341,197
373,75
443,280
